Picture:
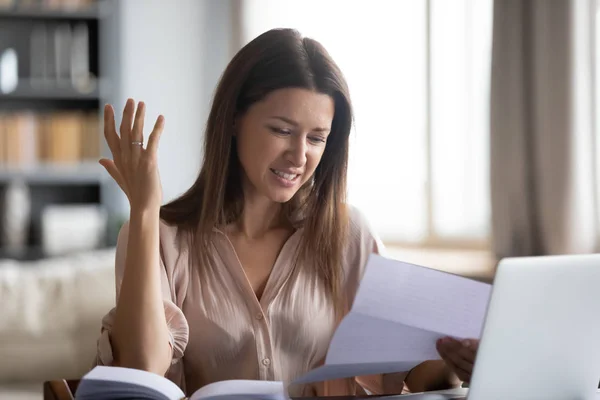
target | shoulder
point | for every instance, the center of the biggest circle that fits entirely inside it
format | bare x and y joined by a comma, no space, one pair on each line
362,242
361,233
358,220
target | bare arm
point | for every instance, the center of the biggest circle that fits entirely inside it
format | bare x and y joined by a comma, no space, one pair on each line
140,335
431,375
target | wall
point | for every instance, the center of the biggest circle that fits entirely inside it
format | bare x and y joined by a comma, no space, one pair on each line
170,55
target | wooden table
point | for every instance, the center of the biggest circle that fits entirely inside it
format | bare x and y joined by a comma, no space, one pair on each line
65,390
60,389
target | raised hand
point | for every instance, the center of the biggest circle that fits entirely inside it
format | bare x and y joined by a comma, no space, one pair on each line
133,167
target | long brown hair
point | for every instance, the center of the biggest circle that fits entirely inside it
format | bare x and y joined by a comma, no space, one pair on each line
279,58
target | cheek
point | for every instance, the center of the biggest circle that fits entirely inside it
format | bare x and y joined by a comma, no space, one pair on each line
314,158
247,156
257,154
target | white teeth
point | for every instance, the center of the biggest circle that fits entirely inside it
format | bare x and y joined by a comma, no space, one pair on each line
289,177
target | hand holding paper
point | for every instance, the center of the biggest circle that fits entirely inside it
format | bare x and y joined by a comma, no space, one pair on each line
459,356
399,313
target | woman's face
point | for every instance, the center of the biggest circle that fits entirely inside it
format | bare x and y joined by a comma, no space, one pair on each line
280,141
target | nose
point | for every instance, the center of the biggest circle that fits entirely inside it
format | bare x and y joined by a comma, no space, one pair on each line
296,153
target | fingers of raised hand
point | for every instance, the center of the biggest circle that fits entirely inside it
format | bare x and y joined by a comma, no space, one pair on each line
110,132
155,136
126,127
137,132
130,158
113,171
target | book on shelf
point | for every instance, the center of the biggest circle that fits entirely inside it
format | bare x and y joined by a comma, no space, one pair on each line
60,57
28,139
67,5
399,313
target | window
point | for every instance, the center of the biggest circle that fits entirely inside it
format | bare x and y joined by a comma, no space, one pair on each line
418,73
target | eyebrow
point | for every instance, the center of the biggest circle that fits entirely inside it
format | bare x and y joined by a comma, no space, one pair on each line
294,123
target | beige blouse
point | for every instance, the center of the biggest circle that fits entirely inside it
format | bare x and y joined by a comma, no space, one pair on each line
219,329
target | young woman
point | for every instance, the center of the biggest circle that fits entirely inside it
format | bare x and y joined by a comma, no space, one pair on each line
246,275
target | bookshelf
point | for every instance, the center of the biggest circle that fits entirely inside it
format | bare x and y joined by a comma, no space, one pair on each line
86,11
89,173
28,92
50,115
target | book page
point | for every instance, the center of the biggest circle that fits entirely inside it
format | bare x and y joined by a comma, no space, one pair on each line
133,377
241,389
336,371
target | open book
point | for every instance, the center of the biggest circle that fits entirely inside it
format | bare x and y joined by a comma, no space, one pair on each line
399,312
112,383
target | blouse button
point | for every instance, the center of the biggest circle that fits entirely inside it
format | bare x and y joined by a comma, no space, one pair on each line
266,362
259,316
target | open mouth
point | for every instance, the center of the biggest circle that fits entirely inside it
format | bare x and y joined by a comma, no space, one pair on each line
285,176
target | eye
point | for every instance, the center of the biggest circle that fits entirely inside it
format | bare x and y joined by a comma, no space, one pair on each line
280,131
317,139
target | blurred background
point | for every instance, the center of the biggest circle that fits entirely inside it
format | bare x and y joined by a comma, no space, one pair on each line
475,138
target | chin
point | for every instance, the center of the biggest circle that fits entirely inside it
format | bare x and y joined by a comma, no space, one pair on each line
278,194
282,197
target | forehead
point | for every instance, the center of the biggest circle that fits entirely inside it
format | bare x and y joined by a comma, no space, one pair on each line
301,105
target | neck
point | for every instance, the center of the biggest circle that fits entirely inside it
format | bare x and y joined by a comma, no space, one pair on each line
259,216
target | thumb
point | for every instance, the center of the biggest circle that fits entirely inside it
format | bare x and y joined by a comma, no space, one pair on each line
113,171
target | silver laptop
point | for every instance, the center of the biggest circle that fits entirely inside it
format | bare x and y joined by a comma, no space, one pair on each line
541,337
